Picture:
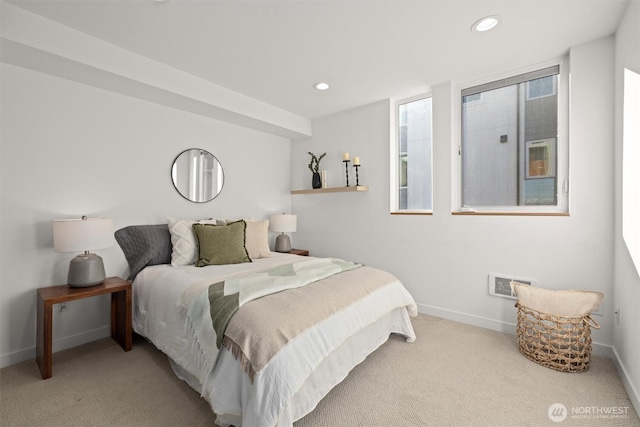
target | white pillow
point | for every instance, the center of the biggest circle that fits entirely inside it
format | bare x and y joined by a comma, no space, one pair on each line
571,302
257,239
183,240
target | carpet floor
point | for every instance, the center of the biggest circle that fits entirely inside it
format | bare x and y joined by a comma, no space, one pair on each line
453,375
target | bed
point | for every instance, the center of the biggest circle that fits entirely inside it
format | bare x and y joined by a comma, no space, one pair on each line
249,380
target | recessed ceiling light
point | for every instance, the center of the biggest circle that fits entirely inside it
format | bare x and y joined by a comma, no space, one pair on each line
485,24
321,86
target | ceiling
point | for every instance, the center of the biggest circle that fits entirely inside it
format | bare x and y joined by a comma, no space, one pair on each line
274,51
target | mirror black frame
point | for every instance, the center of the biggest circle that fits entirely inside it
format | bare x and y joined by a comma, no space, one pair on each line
215,189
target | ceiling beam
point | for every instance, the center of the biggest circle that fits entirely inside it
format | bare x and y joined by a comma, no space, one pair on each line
33,42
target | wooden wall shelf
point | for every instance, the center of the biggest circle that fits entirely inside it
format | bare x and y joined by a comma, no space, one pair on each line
332,190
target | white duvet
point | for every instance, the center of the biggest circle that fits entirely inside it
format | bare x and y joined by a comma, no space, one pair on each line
297,377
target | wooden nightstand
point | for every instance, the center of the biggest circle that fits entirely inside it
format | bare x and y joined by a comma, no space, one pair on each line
121,330
301,252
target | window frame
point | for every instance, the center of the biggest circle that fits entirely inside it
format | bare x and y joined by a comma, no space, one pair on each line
562,143
395,156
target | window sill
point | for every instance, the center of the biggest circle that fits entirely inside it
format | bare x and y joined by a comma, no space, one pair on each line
412,213
514,213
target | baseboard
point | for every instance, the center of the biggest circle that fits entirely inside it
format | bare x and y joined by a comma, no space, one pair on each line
59,344
631,389
597,349
469,319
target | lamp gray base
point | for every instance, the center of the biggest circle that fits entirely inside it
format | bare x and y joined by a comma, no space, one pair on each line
86,270
283,243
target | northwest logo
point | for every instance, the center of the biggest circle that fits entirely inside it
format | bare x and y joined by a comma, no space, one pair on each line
557,412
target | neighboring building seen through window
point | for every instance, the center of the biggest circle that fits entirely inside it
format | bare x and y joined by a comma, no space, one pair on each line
509,146
414,179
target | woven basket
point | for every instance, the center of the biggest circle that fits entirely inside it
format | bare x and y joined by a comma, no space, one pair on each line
557,342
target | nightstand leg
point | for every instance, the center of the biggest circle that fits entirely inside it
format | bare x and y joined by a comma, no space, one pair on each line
44,348
121,329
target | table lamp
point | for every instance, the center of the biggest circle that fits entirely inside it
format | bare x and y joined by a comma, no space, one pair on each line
77,235
283,224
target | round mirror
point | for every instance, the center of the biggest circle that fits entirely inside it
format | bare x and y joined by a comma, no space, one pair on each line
197,175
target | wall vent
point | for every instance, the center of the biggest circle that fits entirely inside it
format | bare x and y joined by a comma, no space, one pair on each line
499,284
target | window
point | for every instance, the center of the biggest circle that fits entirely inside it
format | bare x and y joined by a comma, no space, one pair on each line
472,98
412,183
539,88
630,173
511,156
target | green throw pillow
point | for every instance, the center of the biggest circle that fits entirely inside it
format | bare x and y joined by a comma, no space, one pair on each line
221,244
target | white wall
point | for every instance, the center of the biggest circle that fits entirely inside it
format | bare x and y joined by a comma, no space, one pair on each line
626,278
444,260
68,150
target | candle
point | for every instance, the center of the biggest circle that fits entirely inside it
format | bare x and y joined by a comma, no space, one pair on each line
345,157
356,161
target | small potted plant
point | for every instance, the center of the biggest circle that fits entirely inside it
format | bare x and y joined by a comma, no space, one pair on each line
314,166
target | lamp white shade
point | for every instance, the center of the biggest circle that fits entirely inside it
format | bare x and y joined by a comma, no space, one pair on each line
82,235
79,235
283,223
